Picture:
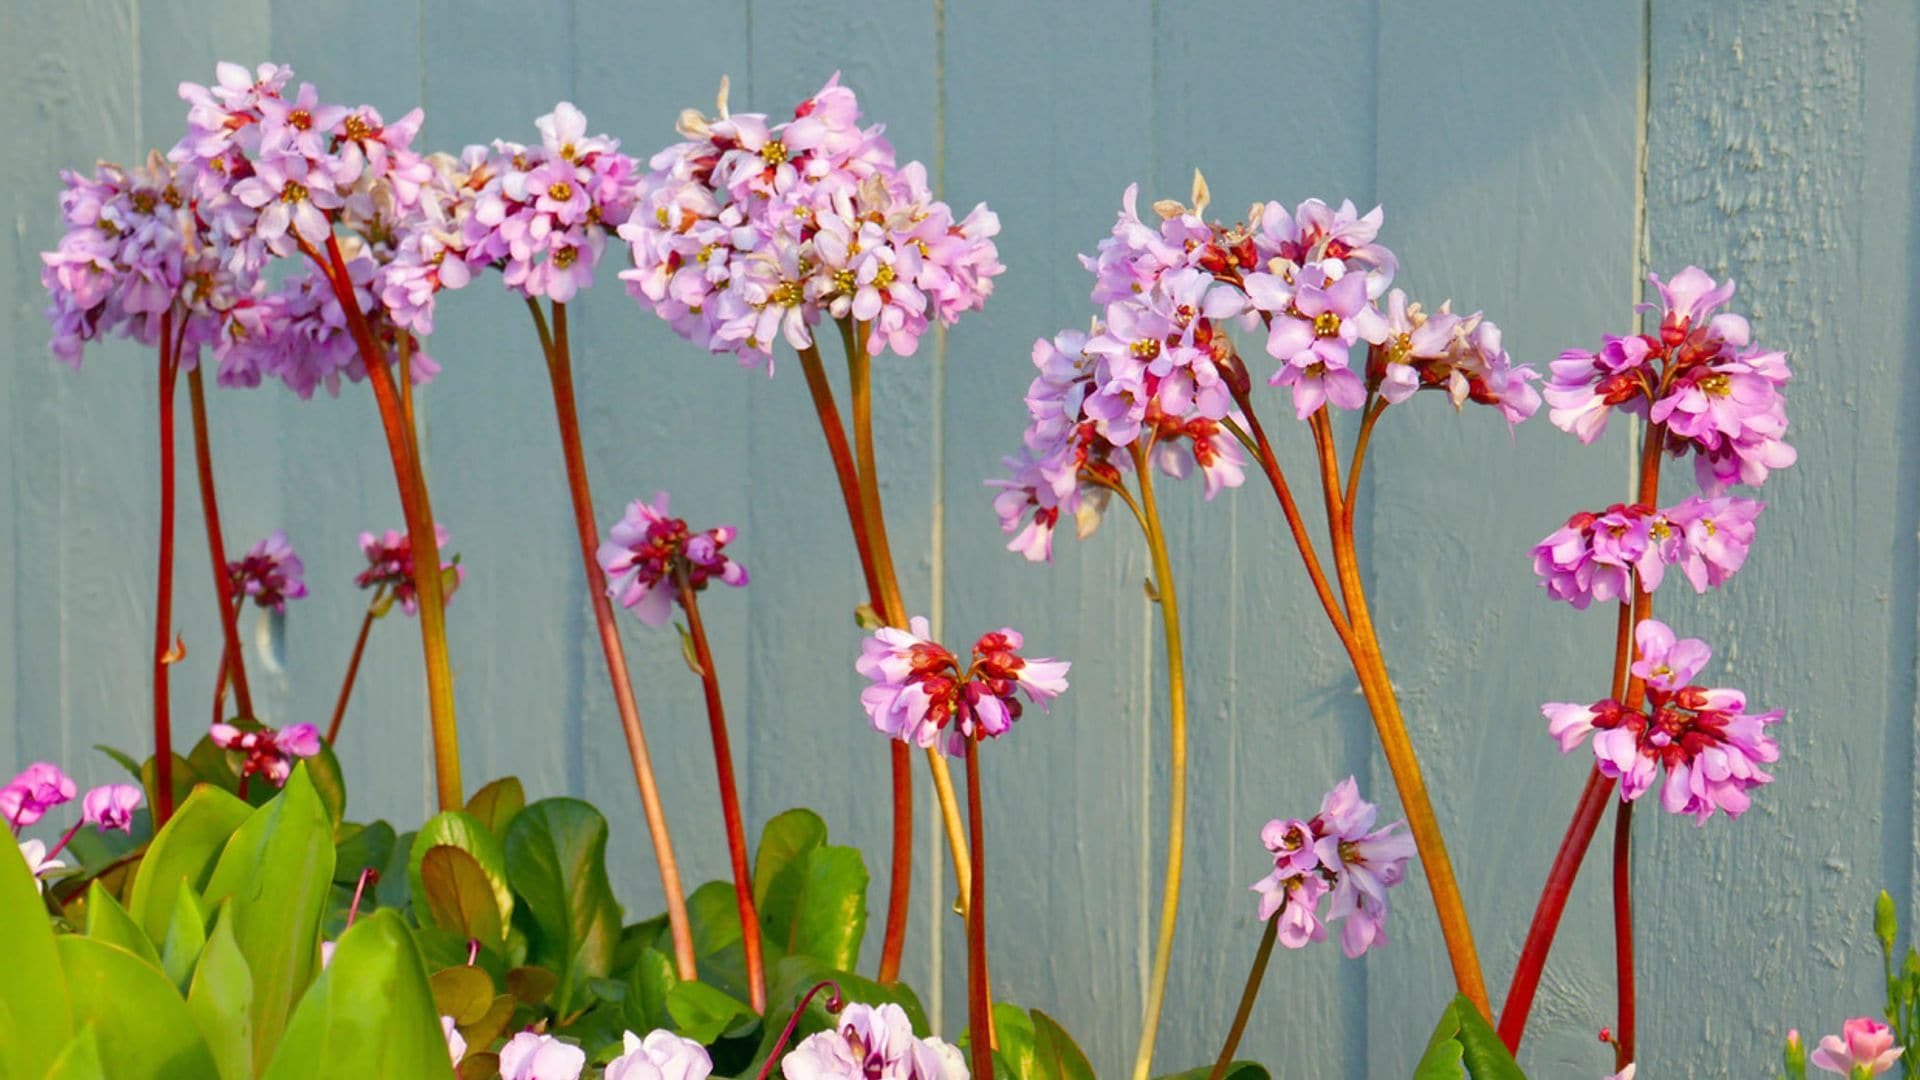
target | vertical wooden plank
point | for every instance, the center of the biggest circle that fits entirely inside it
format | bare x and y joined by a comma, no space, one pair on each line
1506,165
1255,684
84,508
335,473
1781,147
1049,132
810,745
658,413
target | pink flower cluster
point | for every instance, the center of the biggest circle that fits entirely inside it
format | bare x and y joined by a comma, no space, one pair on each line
265,751
390,566
750,231
919,688
646,552
42,786
1336,853
1711,747
1600,556
869,1042
270,572
37,789
1719,396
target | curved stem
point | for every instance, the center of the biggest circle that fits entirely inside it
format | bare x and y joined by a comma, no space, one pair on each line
1373,411
729,796
1247,996
233,662
1169,601
859,371
163,588
557,348
833,1005
423,543
844,471
353,669
1270,465
1623,932
979,1000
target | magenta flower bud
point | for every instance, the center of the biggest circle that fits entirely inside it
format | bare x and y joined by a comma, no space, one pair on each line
111,806
39,787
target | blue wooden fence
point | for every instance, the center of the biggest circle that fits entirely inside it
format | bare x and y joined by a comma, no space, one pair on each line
1505,139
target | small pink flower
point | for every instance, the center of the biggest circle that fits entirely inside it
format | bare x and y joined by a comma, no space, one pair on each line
265,751
872,1041
647,552
1863,1047
660,1055
532,1056
270,572
39,787
111,806
919,688
1335,853
456,1042
390,565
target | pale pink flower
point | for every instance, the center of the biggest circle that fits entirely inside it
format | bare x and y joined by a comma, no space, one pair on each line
38,788
1863,1047
38,863
532,1056
661,1055
111,806
647,553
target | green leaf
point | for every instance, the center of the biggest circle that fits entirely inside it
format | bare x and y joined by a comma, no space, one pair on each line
689,653
776,864
1237,1070
1019,1046
186,938
824,915
357,847
531,986
278,871
464,993
557,864
36,1020
186,778
459,896
184,852
1058,1055
457,828
324,769
80,1060
109,922
124,760
370,1013
219,997
651,980
143,1029
703,1013
1463,1036
496,803
1886,922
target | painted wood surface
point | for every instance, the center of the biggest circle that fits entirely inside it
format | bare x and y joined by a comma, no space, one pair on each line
1504,139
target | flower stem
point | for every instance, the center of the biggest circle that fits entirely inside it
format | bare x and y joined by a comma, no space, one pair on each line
1247,996
979,1000
558,350
1168,599
424,544
163,588
353,669
234,661
1553,901
1623,932
729,797
226,670
1373,411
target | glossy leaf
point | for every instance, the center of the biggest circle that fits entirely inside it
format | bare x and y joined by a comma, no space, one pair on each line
80,1060
459,897
1463,1037
1057,1056
496,803
818,908
36,1020
653,977
219,1000
109,922
464,993
1018,1045
185,851
142,1027
370,1013
703,1013
457,828
492,1024
556,862
531,986
776,863
278,872
1236,1070
186,937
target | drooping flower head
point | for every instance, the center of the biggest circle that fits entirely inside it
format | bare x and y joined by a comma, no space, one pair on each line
647,555
1864,1047
870,1042
270,572
1712,749
1718,396
751,231
1603,556
660,1055
37,789
267,752
111,806
1336,853
390,566
532,1056
919,689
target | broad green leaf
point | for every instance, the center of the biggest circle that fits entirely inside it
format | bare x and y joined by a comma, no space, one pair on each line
1018,1045
1236,1070
324,769
358,847
1463,1037
80,1060
143,1029
36,1021
703,1013
370,1013
186,937
496,803
1059,1057
556,863
824,915
457,828
278,870
109,922
458,895
776,863
184,852
651,980
464,993
713,919
531,986
219,999
491,1025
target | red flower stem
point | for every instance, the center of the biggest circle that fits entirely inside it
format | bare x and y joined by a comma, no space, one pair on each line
558,350
843,469
163,588
353,669
423,543
234,661
729,796
1372,415
1270,465
1247,997
1623,932
220,679
65,838
979,1002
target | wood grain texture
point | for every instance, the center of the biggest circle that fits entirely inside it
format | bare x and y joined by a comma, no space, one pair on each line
1501,138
